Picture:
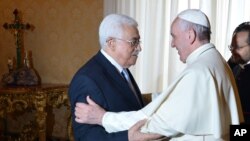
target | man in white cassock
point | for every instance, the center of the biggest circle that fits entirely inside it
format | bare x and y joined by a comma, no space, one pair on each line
200,105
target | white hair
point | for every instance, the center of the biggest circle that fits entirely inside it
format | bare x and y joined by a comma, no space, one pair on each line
112,26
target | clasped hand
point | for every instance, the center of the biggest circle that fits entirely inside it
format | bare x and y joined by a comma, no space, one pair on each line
89,113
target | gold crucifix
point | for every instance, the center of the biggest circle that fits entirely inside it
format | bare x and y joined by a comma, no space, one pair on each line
17,27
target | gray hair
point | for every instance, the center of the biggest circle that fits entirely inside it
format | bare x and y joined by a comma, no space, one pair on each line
203,33
112,26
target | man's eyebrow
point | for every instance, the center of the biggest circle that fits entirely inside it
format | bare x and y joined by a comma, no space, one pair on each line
136,38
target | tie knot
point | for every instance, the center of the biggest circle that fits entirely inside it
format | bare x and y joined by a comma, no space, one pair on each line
124,74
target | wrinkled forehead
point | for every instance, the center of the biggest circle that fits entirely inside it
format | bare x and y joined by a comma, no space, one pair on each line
240,38
131,31
176,24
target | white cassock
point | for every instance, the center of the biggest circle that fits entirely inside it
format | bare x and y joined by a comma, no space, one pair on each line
200,104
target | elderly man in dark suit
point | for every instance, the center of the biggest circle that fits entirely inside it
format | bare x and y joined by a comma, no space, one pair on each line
106,78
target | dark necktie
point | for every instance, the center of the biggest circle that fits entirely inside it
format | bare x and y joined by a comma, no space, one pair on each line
123,75
126,77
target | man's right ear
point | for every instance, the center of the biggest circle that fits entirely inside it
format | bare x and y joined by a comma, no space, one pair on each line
110,43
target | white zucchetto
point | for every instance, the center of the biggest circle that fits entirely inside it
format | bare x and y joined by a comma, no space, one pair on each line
195,16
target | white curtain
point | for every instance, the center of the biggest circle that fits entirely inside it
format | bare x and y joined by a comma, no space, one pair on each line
158,64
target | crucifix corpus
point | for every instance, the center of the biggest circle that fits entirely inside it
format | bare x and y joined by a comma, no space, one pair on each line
17,28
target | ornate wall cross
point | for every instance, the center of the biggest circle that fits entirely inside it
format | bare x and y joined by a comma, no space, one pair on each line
17,28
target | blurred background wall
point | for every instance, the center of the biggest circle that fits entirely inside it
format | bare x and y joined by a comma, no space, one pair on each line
64,37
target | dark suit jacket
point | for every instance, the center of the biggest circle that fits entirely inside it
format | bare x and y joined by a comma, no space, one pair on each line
102,81
242,77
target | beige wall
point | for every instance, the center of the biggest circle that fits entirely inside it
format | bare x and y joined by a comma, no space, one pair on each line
64,38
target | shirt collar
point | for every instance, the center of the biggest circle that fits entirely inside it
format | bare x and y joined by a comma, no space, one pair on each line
243,65
112,61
